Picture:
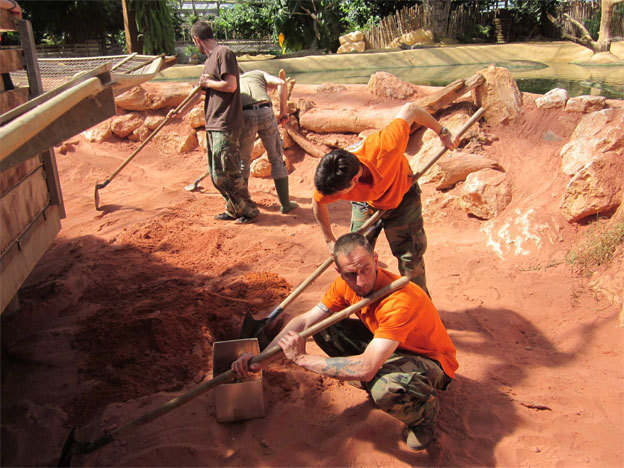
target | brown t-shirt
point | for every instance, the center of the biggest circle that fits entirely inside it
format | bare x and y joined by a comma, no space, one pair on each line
223,110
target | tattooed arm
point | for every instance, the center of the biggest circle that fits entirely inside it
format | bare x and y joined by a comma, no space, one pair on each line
361,367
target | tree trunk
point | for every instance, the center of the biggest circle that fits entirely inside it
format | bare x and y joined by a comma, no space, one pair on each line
133,44
604,36
440,15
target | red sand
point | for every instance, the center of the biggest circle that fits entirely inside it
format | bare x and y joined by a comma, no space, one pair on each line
121,313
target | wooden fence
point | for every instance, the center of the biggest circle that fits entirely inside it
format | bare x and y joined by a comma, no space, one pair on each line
462,21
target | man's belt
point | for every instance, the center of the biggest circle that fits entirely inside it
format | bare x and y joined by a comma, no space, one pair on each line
259,105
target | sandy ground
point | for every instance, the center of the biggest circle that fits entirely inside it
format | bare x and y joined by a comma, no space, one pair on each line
121,313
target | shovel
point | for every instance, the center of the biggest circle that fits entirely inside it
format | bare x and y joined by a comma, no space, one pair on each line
194,185
74,447
253,328
98,186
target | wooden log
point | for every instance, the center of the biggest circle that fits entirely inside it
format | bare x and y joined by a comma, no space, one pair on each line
317,151
323,120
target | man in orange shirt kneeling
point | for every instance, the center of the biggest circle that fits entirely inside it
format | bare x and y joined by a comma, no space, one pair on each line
398,349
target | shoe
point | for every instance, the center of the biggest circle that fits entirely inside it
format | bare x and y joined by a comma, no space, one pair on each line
224,217
288,208
420,437
244,220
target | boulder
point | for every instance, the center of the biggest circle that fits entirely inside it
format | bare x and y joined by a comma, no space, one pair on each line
260,167
201,140
188,143
351,42
153,121
554,98
258,149
197,117
290,155
124,125
596,133
585,104
99,133
386,85
499,95
455,167
597,188
140,134
419,36
485,194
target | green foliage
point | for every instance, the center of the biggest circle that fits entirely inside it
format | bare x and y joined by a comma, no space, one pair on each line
593,25
308,24
598,248
479,33
155,24
530,17
74,21
246,19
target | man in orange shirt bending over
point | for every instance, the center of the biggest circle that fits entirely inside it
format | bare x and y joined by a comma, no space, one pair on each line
376,175
398,349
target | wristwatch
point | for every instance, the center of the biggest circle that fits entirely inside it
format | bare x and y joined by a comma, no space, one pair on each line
444,131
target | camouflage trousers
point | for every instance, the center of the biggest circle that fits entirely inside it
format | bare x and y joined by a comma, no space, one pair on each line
224,163
404,230
405,387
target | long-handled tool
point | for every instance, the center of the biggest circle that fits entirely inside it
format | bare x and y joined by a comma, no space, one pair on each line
254,328
99,186
195,184
74,447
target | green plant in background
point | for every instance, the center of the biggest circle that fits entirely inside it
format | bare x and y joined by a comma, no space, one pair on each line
246,19
598,248
155,24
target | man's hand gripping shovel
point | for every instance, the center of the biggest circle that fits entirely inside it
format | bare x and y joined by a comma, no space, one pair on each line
254,328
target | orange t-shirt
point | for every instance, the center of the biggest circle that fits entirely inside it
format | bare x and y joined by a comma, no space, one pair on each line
407,316
383,154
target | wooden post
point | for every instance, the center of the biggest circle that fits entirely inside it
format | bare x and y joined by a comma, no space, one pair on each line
132,35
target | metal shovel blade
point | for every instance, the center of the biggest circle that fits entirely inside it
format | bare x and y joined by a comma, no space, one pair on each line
253,328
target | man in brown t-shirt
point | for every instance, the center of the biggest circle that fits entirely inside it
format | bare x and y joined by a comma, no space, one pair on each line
224,121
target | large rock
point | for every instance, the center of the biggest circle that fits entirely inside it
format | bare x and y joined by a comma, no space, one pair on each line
196,117
419,36
351,42
124,125
99,133
287,141
585,104
141,98
499,95
554,98
258,149
485,194
597,188
188,143
260,167
386,85
153,121
596,133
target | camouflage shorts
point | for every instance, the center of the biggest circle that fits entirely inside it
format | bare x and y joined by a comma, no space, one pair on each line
404,230
405,387
224,162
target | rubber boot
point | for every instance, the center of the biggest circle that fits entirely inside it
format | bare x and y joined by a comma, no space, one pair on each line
281,186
